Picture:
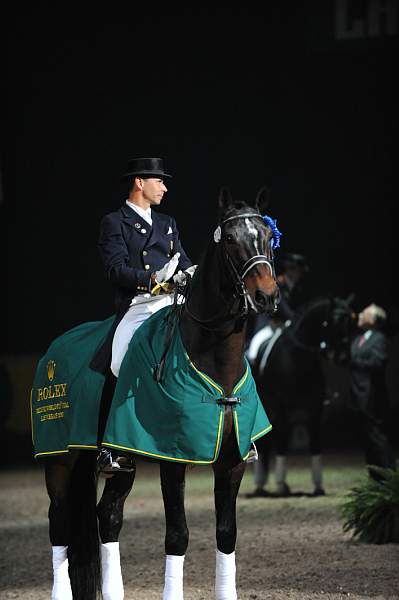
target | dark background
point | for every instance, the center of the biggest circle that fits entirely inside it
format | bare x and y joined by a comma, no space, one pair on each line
237,98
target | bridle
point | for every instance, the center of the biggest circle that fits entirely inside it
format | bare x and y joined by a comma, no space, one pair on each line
240,289
238,275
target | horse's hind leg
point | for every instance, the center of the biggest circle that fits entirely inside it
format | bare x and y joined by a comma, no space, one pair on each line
176,537
281,435
58,478
110,520
261,467
227,485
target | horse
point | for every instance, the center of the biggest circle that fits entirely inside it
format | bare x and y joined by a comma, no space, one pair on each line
235,276
289,371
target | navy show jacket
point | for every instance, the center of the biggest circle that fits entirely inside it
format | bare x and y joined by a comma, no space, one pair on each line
131,250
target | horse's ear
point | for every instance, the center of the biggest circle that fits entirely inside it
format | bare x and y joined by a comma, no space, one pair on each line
262,200
225,199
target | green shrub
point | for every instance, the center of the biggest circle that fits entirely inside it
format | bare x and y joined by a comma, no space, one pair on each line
371,511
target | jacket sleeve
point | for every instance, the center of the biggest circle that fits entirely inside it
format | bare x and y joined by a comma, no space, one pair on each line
184,261
115,256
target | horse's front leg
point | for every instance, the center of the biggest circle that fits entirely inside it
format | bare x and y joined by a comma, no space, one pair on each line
227,484
58,471
315,413
110,520
176,537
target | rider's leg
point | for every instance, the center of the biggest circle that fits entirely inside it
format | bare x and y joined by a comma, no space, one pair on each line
176,537
58,477
227,485
110,461
110,520
105,403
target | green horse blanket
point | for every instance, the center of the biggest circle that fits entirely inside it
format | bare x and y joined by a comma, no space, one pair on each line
66,393
178,419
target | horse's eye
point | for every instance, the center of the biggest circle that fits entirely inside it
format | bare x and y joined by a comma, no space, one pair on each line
229,238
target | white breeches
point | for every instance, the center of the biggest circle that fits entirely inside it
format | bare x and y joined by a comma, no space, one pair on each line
140,309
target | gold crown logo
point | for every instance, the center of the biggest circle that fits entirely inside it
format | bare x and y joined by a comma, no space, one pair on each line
51,369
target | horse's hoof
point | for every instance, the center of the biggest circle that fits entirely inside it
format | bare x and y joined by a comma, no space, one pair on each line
319,491
283,490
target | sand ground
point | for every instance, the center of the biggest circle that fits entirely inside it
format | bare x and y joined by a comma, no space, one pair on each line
288,549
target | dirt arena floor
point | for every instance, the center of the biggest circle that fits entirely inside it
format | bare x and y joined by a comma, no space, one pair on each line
288,549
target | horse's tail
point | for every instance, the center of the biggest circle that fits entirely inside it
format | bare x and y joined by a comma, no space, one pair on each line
84,545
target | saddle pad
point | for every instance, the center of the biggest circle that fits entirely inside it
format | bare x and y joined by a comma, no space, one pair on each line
66,393
178,419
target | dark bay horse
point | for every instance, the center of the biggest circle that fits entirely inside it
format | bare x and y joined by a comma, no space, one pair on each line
290,377
235,275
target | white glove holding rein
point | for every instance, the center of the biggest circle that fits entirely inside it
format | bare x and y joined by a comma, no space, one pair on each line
181,278
167,270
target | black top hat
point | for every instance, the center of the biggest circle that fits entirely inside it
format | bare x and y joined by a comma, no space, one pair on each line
147,167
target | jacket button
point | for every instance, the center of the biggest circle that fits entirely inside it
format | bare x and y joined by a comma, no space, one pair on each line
146,267
145,252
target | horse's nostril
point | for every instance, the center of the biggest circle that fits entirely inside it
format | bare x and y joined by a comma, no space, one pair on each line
260,299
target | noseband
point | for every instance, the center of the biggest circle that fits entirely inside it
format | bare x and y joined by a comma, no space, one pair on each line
240,274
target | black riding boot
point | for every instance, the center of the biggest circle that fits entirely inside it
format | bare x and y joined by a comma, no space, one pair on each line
107,462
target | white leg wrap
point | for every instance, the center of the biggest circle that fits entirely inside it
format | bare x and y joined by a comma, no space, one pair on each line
112,583
173,589
317,470
280,470
61,583
225,580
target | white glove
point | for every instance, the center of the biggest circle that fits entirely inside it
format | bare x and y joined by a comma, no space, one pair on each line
167,270
191,270
180,278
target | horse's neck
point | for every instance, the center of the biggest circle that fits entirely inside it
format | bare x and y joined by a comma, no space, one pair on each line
216,347
308,328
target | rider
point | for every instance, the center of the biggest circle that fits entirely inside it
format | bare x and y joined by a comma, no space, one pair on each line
141,252
294,292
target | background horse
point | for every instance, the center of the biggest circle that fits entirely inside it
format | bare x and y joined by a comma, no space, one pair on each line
235,275
290,377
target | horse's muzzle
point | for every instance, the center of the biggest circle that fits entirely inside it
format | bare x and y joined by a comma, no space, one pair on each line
266,303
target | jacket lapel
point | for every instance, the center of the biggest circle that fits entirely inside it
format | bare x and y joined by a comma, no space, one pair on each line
133,219
156,233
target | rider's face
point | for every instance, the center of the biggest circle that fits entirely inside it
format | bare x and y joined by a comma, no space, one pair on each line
153,190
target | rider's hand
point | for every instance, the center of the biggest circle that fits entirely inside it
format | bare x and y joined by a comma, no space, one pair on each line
181,277
167,270
159,278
